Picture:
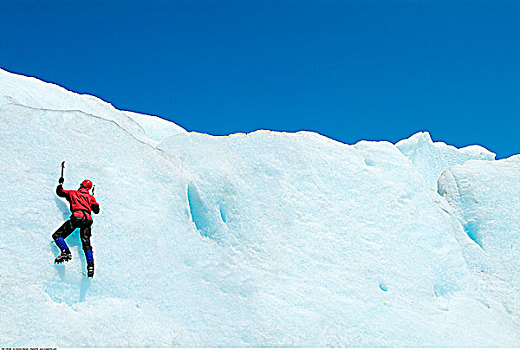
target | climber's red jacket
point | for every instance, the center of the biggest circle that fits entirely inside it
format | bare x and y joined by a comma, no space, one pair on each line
82,203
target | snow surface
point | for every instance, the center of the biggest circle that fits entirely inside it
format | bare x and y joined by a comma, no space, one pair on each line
264,239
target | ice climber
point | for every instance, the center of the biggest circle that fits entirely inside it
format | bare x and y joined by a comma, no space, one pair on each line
82,204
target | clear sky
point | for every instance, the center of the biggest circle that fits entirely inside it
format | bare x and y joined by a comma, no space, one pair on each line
350,70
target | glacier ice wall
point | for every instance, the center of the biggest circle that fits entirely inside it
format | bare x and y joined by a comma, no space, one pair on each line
485,198
264,239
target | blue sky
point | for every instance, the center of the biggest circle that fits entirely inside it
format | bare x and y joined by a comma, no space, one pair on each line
350,70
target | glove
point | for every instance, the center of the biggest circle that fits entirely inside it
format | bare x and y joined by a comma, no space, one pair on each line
61,180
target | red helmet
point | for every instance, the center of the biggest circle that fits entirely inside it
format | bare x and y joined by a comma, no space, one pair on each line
86,184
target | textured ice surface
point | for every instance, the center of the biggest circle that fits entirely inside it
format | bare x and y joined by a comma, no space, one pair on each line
264,239
432,158
486,199
156,128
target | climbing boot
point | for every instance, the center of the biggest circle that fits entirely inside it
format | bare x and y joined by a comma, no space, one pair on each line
64,256
90,270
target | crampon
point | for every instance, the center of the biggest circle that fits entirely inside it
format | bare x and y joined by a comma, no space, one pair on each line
63,258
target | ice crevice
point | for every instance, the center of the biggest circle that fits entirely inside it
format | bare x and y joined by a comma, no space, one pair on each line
201,214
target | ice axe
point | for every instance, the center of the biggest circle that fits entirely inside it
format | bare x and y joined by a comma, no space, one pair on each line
61,180
93,188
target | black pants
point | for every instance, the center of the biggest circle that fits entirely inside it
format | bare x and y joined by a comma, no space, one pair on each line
70,225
